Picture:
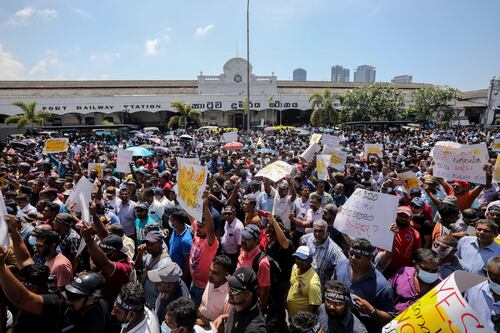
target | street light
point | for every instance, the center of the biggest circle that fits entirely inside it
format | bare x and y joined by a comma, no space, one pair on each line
248,65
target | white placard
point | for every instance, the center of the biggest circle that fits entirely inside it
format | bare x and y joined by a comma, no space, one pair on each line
374,148
191,183
338,159
123,160
330,140
230,136
275,171
85,187
463,162
322,163
4,229
368,214
309,153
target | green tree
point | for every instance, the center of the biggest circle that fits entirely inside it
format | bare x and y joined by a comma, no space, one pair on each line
433,103
106,123
324,111
372,102
30,115
184,113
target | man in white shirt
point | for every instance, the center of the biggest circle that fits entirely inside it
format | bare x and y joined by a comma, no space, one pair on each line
283,203
155,210
24,208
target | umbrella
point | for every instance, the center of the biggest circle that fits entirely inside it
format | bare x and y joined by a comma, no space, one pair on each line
304,133
265,151
146,146
139,151
186,137
29,141
162,149
233,146
17,144
211,142
329,130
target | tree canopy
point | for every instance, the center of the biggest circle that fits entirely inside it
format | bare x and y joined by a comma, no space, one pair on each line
30,116
184,114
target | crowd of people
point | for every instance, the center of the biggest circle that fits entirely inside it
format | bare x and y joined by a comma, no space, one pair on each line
265,257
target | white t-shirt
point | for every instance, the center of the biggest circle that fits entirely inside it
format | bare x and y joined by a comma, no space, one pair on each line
149,324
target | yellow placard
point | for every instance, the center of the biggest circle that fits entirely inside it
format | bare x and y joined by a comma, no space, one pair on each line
496,171
58,145
335,159
99,167
190,180
315,138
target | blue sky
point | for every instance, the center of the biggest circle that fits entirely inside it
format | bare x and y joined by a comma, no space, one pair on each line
446,42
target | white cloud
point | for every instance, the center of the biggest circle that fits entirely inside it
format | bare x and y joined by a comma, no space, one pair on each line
151,46
104,56
82,13
10,68
50,66
104,76
202,31
23,15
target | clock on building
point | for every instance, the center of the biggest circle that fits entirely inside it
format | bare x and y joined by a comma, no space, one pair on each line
237,78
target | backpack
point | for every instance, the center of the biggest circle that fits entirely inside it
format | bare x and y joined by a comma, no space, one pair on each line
274,267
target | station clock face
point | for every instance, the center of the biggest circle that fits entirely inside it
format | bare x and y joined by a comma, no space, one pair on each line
237,78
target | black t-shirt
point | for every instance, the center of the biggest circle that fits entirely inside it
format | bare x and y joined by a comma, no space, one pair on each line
94,320
250,321
46,322
283,257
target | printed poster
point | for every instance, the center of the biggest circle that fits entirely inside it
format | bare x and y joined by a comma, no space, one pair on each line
322,163
275,171
315,138
443,309
191,183
374,148
338,159
330,140
368,214
99,167
408,180
463,162
58,145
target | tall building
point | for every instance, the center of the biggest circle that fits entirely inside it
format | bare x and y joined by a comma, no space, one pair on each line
402,79
299,74
364,73
340,74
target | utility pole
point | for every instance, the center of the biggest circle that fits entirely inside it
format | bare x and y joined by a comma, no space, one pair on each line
248,65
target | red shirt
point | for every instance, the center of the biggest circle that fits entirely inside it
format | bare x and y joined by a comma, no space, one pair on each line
406,242
264,271
200,258
116,280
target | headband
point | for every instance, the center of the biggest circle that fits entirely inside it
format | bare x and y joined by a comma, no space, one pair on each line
128,307
334,296
360,252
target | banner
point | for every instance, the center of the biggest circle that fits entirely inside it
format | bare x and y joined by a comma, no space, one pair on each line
58,145
191,183
230,136
464,162
374,148
322,163
123,160
99,167
496,171
443,309
309,153
496,145
315,138
84,187
275,171
4,229
408,179
338,159
330,140
369,215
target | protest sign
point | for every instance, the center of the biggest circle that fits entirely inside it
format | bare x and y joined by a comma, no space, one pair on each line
330,140
496,171
315,138
99,167
308,154
191,183
338,159
4,229
369,215
448,144
496,145
275,171
260,142
463,162
443,309
374,148
123,159
322,163
230,136
58,145
84,186
408,179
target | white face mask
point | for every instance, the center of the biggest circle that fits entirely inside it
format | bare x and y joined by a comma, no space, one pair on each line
427,277
494,287
165,328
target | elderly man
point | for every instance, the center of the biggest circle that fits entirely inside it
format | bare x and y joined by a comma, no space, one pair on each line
326,253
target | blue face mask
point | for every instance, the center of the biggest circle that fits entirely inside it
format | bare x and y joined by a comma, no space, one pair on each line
427,277
494,287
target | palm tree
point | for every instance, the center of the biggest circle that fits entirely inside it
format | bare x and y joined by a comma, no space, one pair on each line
324,111
184,112
29,116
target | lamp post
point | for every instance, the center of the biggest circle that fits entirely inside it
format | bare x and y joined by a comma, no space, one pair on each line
248,65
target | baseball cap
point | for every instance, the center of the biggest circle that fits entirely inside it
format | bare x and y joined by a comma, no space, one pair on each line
303,252
113,242
170,272
251,231
243,278
153,236
417,202
404,210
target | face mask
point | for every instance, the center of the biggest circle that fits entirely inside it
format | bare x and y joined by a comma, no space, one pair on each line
165,328
427,277
494,287
32,240
441,249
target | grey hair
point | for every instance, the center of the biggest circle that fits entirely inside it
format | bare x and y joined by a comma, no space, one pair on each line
315,196
320,223
493,264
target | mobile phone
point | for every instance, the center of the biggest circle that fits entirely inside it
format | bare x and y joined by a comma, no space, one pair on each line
261,213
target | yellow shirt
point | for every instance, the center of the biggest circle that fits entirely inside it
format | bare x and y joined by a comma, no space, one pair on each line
305,291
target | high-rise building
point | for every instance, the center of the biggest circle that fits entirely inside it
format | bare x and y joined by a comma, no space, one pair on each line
364,73
402,79
340,74
299,74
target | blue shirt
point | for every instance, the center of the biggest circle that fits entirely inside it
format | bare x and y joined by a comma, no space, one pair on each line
179,246
481,299
473,257
266,201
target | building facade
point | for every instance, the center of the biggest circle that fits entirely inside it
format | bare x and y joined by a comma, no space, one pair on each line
402,79
364,74
340,74
300,74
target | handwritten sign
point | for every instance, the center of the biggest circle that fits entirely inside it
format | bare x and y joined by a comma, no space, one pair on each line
123,159
374,148
447,144
322,163
275,171
230,136
369,215
496,145
408,180
315,138
338,159
309,153
330,140
443,309
465,162
191,183
99,167
58,145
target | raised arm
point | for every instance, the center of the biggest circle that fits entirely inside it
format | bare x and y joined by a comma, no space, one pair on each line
96,254
280,236
209,222
23,257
